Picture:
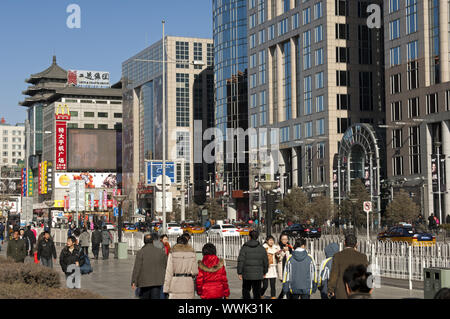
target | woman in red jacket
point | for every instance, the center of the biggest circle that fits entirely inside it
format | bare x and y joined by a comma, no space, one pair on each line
165,240
212,282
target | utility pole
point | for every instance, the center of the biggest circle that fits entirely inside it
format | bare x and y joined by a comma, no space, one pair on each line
183,191
164,127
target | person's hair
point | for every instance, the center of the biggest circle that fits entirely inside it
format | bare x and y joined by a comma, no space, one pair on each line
95,227
299,243
350,240
269,238
163,235
148,239
16,231
104,227
29,227
443,293
254,235
76,232
187,235
209,249
73,239
84,229
182,240
46,232
155,236
355,276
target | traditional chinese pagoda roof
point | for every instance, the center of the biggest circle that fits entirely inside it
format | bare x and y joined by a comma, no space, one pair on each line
54,72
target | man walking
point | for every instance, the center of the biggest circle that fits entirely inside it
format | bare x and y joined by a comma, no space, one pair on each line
106,240
253,263
341,261
16,248
149,282
84,241
96,239
31,238
46,250
300,273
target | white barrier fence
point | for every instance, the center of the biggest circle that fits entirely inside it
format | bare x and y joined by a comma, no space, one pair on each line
394,259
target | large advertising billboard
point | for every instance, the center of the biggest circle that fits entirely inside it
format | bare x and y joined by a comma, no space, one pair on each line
94,79
92,180
93,149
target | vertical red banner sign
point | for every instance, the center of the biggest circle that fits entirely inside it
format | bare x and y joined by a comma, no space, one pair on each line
40,179
61,147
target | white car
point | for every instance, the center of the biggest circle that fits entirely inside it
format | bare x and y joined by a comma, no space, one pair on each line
224,230
173,229
110,226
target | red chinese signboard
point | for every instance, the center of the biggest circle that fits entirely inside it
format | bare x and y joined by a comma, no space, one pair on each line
61,147
40,178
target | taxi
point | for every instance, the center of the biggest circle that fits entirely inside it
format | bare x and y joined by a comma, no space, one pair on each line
129,228
243,229
407,233
194,229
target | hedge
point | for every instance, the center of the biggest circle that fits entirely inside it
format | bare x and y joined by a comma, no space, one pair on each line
24,291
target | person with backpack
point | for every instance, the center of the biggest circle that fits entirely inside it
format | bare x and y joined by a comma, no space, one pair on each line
96,239
84,241
325,269
300,274
71,255
212,282
106,241
45,250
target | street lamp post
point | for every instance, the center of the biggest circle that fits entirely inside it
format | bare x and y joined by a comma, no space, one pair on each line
120,199
268,186
438,146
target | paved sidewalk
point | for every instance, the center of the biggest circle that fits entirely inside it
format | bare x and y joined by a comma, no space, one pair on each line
112,279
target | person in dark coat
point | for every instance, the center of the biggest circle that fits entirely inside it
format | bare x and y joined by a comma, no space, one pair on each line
96,239
106,241
16,248
46,250
155,259
31,239
341,261
355,281
212,282
447,219
253,264
71,255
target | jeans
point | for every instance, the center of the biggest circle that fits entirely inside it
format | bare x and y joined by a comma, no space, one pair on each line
163,295
47,262
95,249
153,292
85,250
105,251
272,286
296,296
248,285
324,294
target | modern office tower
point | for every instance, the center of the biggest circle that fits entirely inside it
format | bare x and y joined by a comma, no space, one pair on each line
417,55
231,103
315,73
12,139
187,98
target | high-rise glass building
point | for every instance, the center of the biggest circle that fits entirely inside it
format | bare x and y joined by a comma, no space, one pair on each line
231,107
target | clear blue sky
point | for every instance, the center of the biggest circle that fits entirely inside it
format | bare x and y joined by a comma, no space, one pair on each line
111,31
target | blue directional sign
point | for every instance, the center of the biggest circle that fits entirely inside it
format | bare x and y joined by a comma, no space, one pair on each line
154,169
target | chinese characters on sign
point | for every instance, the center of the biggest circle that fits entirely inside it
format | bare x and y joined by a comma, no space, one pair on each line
24,182
61,155
95,79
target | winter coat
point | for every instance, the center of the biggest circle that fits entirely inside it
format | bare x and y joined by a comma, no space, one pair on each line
212,280
300,274
67,258
27,242
326,265
341,261
253,263
96,237
46,249
274,260
16,250
31,237
167,248
158,244
84,239
106,237
182,261
149,267
284,256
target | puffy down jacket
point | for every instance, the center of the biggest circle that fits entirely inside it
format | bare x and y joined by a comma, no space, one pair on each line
212,280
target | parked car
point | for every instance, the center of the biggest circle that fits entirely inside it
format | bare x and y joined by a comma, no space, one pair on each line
141,226
224,230
305,231
407,233
195,229
172,229
129,228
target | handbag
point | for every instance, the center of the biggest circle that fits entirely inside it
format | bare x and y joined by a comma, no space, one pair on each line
86,268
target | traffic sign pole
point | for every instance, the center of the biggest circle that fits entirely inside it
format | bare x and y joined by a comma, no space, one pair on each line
367,207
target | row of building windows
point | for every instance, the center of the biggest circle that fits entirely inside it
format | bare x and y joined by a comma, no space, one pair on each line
85,101
14,154
6,132
432,106
99,114
13,146
117,126
182,54
14,140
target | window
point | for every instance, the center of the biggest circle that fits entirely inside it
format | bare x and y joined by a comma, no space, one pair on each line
412,50
318,10
342,125
394,29
319,103
254,120
341,7
286,5
210,54
364,45
395,56
308,129
262,108
101,102
397,138
342,31
283,27
73,113
253,81
411,16
115,102
297,131
295,21
287,81
182,100
252,61
253,100
72,125
182,145
396,111
343,78
198,54
262,36
261,11
262,67
252,40
320,150
252,21
5,132
307,95
343,102
284,134
102,126
306,16
251,4
320,127
413,107
318,33
319,80
308,163
342,55
393,5
182,54
396,83
432,103
397,164
447,100
271,31
412,75
86,101
102,114
307,50
365,91
117,115
362,9
5,154
414,150
89,114
319,56
89,126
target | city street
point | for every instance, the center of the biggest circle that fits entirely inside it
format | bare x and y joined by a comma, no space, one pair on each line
111,279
